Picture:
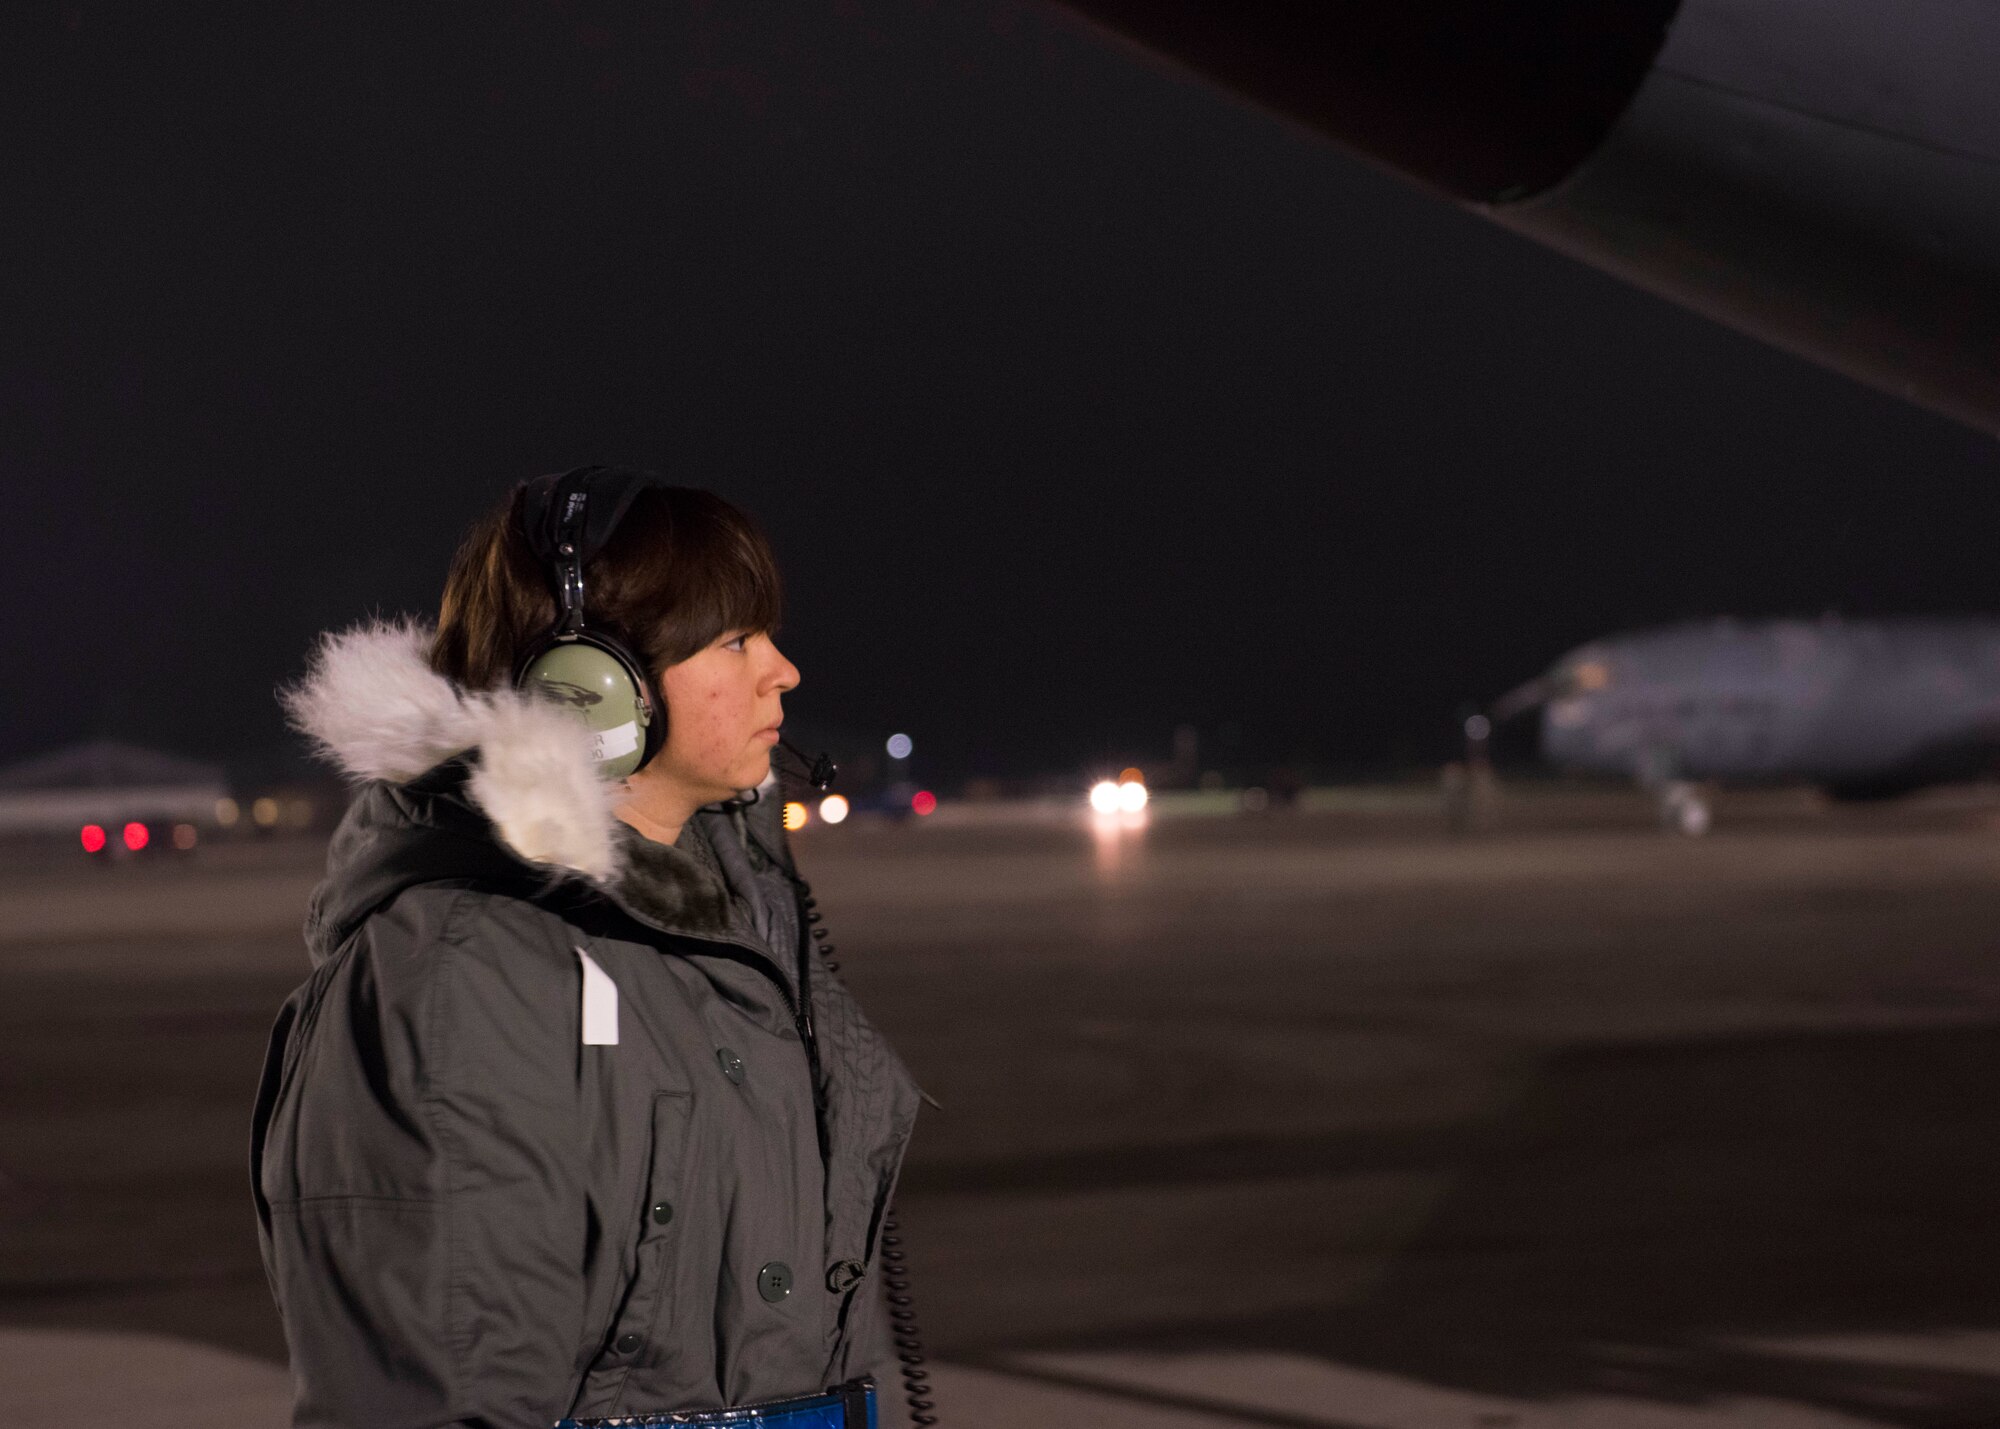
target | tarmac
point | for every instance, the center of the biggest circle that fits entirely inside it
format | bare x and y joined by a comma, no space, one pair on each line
1301,1118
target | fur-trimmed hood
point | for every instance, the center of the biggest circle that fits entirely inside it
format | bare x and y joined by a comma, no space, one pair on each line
372,705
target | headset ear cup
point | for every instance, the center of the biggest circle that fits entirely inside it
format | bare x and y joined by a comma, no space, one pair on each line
603,687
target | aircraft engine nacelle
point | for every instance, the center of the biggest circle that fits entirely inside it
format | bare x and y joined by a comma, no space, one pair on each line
1824,174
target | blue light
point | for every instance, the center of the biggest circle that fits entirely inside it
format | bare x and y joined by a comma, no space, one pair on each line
900,746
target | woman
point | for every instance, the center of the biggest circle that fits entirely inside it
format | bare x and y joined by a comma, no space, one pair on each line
567,1122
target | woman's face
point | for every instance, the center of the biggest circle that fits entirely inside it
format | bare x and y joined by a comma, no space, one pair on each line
724,705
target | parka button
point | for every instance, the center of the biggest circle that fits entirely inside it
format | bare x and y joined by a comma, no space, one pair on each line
774,1281
627,1344
663,1211
731,1064
844,1275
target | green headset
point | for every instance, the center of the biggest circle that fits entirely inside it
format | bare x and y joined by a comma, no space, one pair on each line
589,669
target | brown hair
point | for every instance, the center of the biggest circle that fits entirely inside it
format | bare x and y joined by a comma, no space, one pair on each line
683,567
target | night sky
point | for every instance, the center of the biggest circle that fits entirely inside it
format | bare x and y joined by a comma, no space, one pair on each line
1080,400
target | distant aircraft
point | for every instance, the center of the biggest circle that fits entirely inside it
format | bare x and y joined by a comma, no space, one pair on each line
1824,174
1863,709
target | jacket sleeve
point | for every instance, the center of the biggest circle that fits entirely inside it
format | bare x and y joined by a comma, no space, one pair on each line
420,1177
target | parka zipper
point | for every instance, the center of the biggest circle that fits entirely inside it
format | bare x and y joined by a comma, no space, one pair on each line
805,1022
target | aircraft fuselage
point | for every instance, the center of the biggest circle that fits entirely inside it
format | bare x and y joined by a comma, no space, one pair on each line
1862,708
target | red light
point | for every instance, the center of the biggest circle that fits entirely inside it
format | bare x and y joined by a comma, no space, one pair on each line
135,836
924,802
93,838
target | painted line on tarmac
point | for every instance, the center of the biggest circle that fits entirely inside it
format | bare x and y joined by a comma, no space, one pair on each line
1160,1398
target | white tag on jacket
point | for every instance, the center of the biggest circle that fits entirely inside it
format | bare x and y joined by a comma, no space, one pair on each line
600,1005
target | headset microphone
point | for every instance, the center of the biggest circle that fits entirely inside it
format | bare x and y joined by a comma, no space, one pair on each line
819,768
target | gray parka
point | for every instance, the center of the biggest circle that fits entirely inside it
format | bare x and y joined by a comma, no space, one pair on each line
476,1207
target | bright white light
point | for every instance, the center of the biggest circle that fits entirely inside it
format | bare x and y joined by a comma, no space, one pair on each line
833,808
1131,796
900,746
1104,797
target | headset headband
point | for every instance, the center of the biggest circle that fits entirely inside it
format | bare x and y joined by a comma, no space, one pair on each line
572,507
569,516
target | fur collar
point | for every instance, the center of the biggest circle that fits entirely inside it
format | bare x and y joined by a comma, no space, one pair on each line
372,705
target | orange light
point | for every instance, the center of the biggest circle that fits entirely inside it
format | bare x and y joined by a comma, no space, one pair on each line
1131,776
93,838
795,817
135,836
924,802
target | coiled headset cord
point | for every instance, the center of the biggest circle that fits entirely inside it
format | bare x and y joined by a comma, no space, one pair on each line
895,1261
903,1323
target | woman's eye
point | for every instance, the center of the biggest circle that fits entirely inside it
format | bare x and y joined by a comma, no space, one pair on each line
735,642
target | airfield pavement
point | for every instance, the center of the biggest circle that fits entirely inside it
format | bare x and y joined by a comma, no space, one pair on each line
1290,1119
